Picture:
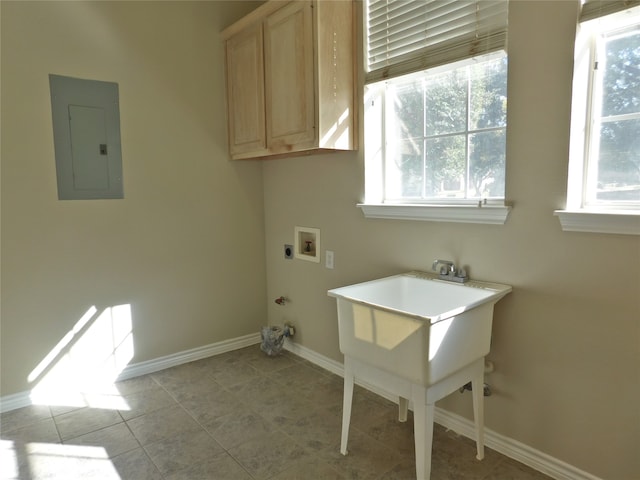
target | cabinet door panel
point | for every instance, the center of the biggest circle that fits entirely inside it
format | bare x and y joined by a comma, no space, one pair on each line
245,85
289,78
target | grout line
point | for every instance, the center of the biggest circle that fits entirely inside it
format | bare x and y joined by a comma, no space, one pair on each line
272,375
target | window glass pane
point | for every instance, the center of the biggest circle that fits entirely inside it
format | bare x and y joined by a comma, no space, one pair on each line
445,166
619,162
489,94
405,172
487,164
446,100
621,89
431,150
408,108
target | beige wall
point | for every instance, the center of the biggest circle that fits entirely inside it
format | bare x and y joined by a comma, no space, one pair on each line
566,342
185,246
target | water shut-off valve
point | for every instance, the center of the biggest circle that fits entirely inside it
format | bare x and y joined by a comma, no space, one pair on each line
467,386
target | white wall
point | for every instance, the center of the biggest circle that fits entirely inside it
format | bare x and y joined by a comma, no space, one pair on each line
566,342
185,246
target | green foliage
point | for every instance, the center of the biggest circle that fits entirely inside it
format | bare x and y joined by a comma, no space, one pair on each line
619,146
451,131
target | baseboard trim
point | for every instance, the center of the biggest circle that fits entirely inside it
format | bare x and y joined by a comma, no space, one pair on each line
23,399
509,447
514,449
16,400
173,360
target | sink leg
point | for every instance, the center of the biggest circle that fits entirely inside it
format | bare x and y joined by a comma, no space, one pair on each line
346,408
477,386
423,416
403,407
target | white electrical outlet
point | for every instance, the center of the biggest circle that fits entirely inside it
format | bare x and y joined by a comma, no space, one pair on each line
328,259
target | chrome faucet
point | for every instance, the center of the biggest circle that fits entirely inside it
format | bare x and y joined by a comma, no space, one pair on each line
446,268
448,271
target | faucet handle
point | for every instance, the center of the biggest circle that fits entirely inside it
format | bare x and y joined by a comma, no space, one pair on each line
448,271
446,267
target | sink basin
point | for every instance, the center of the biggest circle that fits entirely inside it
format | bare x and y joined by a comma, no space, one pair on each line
420,338
422,295
415,325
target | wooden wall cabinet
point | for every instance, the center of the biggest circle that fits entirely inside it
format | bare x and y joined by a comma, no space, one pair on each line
290,69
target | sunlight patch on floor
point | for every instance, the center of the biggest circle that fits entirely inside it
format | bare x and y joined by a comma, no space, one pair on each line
41,460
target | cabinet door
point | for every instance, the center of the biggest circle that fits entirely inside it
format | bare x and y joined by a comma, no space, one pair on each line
289,78
245,91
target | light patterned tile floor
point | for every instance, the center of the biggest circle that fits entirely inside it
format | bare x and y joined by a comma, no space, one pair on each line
236,416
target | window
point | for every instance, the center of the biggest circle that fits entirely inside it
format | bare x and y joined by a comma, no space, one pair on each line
445,133
435,110
603,193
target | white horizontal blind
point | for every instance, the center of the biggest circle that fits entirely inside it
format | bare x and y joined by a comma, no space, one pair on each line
405,36
599,8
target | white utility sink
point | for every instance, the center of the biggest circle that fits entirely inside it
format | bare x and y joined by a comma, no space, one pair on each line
420,338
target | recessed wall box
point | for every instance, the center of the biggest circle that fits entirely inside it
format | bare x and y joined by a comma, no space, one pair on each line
86,134
307,244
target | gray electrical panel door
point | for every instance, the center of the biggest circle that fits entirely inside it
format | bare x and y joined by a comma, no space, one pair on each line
86,133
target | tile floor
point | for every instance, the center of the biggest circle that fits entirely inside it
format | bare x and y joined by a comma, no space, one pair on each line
236,416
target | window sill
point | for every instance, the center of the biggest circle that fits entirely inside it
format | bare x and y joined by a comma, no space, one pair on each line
487,214
625,223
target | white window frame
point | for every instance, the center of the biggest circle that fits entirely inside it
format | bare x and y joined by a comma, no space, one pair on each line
490,211
579,215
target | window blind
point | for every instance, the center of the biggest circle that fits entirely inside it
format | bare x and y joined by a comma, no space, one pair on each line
599,8
405,36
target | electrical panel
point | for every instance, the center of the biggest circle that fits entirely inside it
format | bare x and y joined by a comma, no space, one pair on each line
86,134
